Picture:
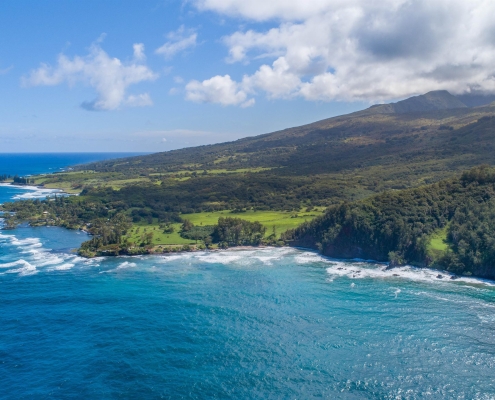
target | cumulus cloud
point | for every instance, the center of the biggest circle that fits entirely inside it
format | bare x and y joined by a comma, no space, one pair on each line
260,10
110,77
277,81
219,89
139,51
360,49
178,41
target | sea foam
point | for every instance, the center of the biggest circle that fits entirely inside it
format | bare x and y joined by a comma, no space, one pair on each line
34,257
33,192
362,270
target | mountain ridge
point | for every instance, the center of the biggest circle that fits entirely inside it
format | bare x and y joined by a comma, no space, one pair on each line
431,101
361,128
436,105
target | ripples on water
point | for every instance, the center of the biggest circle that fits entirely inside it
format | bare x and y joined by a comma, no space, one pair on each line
265,323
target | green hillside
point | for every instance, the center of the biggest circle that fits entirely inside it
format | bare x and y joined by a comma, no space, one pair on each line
407,144
449,224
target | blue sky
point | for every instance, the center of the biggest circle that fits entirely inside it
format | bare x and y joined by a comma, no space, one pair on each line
159,75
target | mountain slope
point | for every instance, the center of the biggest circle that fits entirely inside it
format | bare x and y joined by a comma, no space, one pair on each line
341,158
335,140
431,101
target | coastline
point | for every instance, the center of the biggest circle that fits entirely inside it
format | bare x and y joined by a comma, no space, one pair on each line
386,271
354,269
41,192
35,192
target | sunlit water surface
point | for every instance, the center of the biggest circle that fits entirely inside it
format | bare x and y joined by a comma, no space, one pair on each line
257,323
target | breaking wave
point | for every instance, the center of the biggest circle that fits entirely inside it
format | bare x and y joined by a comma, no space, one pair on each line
363,270
33,257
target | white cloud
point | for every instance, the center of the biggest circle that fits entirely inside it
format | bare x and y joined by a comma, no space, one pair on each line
140,100
361,49
4,71
261,10
139,51
248,103
278,81
219,89
110,77
178,41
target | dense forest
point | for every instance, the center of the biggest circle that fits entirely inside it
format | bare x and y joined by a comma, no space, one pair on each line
259,191
397,226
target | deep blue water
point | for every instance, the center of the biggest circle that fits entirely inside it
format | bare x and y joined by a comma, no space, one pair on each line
41,163
259,323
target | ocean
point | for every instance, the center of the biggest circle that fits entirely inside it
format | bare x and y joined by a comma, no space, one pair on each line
42,163
277,323
24,164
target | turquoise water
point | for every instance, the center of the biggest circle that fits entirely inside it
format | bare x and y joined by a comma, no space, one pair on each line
275,323
263,323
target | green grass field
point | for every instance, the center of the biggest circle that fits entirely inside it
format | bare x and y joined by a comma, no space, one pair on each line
438,243
73,181
65,186
137,231
279,219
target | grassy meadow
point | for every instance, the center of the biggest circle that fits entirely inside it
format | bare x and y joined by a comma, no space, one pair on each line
281,220
438,243
278,220
136,233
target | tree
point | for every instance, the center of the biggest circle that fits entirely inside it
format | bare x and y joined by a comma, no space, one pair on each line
187,225
237,232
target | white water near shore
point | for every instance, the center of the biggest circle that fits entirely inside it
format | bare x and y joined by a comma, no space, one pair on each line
33,192
24,192
29,256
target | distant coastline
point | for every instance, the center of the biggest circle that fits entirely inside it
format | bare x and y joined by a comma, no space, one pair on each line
24,164
39,191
